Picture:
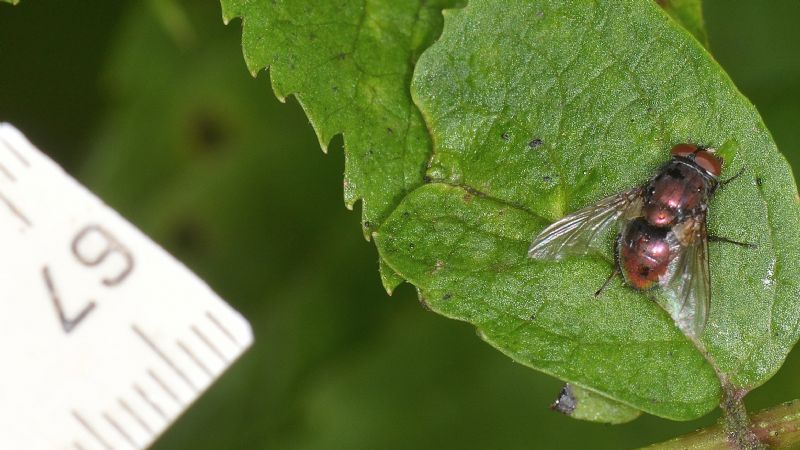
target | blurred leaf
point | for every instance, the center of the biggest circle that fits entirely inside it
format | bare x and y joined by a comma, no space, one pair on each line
349,64
688,13
530,123
13,2
202,158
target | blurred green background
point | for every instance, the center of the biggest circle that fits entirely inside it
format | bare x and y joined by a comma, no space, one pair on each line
150,105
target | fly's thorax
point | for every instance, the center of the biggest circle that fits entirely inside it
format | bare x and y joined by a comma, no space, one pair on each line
680,190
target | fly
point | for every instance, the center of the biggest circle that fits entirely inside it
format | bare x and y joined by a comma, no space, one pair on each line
663,239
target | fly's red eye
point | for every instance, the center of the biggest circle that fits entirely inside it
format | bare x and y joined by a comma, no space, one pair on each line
709,162
683,150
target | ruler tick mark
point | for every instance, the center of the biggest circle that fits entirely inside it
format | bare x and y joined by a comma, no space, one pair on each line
14,152
198,362
150,401
78,446
15,211
165,358
7,173
91,430
165,387
135,416
209,344
222,328
120,430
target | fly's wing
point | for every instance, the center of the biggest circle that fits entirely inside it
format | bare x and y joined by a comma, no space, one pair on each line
687,284
582,231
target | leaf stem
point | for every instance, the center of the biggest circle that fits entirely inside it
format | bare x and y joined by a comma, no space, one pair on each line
776,427
735,424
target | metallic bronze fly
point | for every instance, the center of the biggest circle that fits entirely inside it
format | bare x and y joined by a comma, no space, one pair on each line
663,240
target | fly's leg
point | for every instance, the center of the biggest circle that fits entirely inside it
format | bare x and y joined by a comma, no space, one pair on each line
608,280
616,267
731,241
738,174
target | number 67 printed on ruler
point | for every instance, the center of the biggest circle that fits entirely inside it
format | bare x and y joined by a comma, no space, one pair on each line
105,337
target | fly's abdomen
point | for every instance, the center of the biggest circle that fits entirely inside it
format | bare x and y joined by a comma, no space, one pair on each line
643,252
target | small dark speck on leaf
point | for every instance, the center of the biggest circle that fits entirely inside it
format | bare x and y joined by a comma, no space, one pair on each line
424,303
188,236
208,131
447,296
547,178
341,56
389,131
411,246
367,224
406,215
426,179
335,88
536,143
566,402
532,317
467,197
759,181
504,136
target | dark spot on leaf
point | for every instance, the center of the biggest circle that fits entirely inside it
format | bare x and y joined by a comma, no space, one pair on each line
504,136
547,178
447,296
427,179
188,236
341,56
389,131
566,402
424,303
411,246
759,181
532,317
467,197
369,152
367,224
335,88
535,143
406,215
209,132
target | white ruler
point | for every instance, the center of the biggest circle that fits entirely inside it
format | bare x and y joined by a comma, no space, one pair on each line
104,337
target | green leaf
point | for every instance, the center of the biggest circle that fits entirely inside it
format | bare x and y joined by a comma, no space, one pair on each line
349,64
584,404
467,254
530,123
13,2
688,13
